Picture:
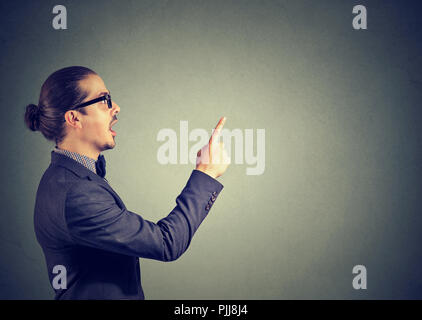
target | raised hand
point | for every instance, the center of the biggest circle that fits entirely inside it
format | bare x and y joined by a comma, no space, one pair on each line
213,159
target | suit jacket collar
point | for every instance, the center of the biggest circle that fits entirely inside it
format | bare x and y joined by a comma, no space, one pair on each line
81,171
74,166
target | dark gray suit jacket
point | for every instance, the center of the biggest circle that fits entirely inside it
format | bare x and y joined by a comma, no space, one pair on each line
83,225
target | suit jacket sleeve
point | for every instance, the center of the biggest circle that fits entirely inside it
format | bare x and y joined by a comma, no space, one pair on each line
95,219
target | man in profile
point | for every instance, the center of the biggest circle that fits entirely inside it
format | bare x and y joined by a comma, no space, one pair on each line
82,225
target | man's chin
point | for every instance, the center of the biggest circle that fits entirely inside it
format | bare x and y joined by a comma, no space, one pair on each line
109,145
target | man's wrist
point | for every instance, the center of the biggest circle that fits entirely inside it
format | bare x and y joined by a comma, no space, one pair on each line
203,181
211,174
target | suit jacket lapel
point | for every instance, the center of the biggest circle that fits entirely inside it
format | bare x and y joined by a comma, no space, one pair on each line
81,171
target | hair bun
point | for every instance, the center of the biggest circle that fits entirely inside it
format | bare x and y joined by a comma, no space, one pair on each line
32,117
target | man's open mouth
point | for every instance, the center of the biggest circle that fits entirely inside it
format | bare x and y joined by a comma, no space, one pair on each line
111,130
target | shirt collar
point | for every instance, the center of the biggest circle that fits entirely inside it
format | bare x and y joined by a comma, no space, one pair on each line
87,162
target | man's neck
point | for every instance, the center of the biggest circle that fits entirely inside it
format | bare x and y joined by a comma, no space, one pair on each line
93,154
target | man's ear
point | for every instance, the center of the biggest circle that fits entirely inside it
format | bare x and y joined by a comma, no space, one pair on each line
73,118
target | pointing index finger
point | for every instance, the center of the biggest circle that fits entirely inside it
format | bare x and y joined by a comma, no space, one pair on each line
217,131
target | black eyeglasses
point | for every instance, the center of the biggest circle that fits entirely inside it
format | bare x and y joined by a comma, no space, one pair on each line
102,98
106,97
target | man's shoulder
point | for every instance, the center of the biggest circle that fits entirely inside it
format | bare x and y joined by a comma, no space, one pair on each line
55,174
57,179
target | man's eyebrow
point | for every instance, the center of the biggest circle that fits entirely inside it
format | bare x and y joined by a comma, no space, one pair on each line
103,93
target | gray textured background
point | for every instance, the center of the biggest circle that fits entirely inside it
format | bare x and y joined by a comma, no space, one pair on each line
341,110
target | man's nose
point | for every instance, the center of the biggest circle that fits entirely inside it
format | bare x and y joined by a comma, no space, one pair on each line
116,108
